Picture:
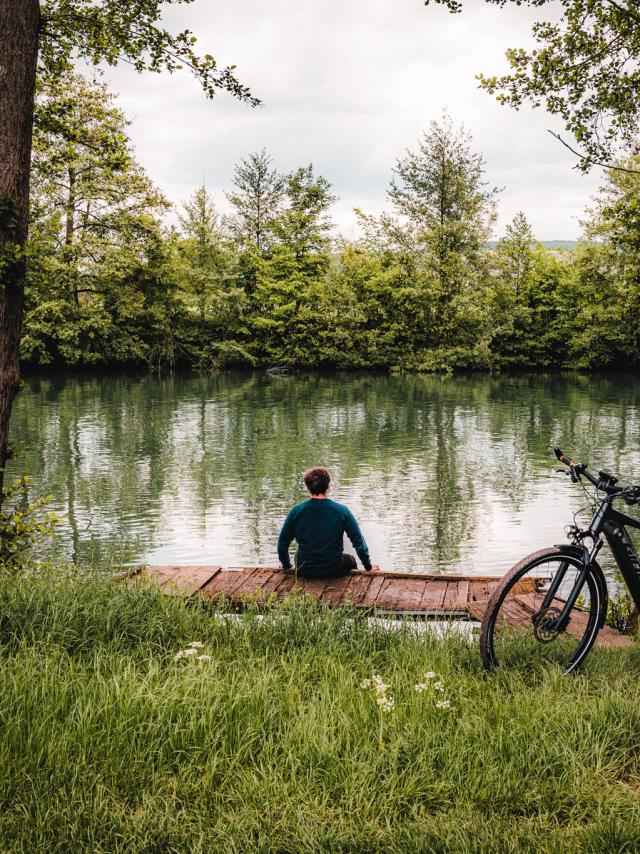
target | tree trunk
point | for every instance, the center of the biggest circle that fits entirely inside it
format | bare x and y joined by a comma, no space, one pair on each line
69,232
19,24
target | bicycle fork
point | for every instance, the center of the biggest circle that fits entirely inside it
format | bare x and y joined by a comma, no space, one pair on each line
560,623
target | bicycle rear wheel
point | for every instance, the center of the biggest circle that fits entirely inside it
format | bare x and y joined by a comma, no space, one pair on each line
522,622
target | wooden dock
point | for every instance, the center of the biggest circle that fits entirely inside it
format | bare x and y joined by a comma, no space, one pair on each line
386,592
400,593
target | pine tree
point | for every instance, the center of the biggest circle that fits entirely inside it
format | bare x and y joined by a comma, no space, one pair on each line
207,262
441,191
514,255
256,201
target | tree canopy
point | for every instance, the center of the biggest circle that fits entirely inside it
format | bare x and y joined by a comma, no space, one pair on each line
585,68
111,31
422,288
45,38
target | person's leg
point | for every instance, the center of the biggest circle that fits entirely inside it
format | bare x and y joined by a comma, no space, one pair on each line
348,563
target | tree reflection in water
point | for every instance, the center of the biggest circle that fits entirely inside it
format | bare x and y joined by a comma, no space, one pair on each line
449,473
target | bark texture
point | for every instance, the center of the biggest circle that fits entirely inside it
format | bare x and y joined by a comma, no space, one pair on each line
19,25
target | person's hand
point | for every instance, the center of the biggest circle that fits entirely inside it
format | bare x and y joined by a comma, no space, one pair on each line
375,568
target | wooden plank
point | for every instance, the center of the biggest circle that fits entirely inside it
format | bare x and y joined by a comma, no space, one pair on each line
476,607
156,575
390,594
359,589
225,583
247,574
382,598
339,589
482,587
371,595
414,591
463,591
175,580
277,577
434,594
217,584
452,600
288,584
609,637
431,576
189,580
253,585
314,587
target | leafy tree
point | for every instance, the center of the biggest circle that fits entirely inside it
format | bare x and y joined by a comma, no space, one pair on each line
304,224
290,280
607,275
585,68
256,201
208,265
446,214
95,218
53,33
86,179
514,256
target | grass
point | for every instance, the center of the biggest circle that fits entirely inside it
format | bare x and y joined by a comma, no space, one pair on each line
107,743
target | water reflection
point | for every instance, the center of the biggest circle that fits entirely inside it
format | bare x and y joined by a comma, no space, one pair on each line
444,473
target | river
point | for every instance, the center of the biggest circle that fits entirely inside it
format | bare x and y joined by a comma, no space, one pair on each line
443,473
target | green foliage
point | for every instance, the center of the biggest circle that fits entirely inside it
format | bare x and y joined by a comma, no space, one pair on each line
22,523
111,31
622,613
585,68
256,201
421,290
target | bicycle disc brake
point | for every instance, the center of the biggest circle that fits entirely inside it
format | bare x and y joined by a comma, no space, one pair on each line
545,625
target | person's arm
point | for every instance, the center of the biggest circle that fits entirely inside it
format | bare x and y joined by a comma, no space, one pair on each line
287,534
357,540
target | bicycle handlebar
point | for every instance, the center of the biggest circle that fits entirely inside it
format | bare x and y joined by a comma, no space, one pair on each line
605,482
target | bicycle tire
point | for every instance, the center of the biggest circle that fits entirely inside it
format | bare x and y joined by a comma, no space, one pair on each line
592,624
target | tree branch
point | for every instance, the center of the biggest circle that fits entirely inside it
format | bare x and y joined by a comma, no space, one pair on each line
624,11
594,162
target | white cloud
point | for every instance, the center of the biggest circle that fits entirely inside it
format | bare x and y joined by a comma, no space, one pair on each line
349,85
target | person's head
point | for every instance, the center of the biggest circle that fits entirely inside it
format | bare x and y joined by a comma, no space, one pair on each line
317,480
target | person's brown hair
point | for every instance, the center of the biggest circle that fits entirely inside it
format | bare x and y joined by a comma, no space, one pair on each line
317,480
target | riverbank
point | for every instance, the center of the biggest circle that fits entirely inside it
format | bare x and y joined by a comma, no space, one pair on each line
114,737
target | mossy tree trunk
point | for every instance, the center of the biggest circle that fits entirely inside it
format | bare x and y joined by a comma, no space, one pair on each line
19,25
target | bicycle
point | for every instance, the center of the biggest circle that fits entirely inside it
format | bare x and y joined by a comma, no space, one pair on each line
551,605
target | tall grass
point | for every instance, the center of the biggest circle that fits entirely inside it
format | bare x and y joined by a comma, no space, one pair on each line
108,743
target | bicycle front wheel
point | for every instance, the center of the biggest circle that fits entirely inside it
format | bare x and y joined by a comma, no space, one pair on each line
526,622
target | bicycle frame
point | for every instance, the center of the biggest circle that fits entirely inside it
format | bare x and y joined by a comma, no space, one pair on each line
613,525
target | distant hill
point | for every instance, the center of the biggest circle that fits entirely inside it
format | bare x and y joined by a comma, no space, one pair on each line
567,245
564,245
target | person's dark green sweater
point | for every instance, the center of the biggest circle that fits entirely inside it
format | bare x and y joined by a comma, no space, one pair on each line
318,526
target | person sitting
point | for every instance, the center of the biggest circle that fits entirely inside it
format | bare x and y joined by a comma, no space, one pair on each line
318,526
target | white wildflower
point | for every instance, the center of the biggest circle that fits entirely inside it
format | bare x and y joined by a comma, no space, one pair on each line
438,686
184,652
196,644
379,685
204,658
366,683
443,704
420,687
430,675
386,703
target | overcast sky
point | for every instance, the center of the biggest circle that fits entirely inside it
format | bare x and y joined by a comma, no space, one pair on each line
349,85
